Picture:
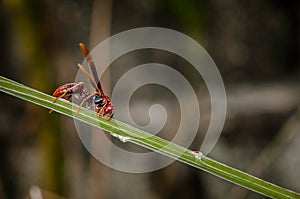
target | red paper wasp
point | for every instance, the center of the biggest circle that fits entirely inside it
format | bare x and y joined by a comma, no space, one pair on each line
78,90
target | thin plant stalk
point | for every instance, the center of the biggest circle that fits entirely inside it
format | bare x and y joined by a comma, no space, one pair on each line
130,134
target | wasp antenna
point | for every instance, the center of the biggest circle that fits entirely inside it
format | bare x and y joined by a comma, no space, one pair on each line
91,80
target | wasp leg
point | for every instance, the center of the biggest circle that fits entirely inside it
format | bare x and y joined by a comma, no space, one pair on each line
83,101
100,111
67,91
110,116
55,99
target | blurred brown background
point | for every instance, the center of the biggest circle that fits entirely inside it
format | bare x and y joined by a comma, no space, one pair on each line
254,44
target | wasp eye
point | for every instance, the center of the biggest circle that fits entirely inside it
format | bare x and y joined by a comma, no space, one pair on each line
98,100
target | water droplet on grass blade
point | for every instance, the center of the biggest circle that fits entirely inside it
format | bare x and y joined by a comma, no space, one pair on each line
120,137
198,155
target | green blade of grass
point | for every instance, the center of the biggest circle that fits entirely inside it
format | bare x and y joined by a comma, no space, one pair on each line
121,130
